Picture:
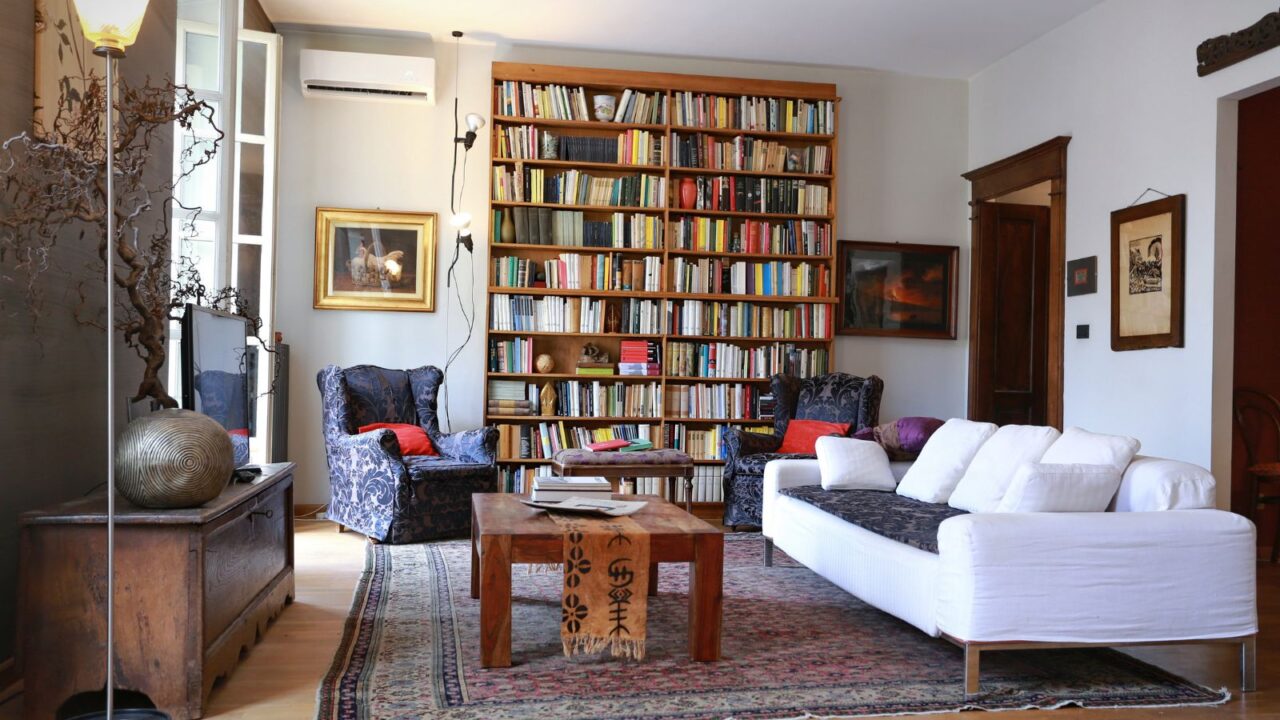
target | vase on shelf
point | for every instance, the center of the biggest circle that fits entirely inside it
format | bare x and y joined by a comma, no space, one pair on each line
508,230
688,193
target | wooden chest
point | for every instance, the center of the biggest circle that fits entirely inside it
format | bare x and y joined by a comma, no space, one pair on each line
194,588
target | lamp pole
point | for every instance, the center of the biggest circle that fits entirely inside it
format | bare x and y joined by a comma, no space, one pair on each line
110,54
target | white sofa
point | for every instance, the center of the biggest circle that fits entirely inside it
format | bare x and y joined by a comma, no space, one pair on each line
1007,581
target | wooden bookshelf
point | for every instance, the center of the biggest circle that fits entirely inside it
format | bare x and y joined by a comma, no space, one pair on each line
798,149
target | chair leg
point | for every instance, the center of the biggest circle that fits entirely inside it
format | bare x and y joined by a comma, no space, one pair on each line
972,660
1249,664
768,552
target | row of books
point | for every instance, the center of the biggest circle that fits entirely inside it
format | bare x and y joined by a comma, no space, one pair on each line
631,147
572,271
747,153
726,360
512,397
570,228
588,398
738,193
510,356
540,441
639,357
717,401
713,275
575,187
525,313
561,102
745,319
771,114
699,443
779,237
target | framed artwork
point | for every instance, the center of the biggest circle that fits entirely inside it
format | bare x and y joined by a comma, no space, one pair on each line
896,289
1082,276
1147,266
375,260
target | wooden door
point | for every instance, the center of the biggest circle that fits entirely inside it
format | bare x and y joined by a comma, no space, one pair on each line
1011,272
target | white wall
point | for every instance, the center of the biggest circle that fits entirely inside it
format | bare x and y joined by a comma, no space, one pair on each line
902,150
1121,80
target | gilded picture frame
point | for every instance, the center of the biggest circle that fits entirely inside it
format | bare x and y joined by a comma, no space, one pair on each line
375,260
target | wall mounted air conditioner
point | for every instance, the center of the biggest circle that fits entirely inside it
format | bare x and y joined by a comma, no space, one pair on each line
366,76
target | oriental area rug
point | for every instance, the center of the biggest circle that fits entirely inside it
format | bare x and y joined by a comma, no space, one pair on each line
794,645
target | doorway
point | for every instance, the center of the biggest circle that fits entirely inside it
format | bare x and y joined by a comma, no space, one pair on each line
1016,287
1257,324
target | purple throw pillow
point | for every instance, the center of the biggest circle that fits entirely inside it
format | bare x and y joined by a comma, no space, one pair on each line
902,439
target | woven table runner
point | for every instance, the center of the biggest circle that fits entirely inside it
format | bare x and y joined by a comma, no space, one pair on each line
606,583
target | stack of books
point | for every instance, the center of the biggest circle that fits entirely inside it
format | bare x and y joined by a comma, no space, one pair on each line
639,357
560,488
620,445
595,368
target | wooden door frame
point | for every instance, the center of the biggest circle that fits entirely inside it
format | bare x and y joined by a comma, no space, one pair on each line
1044,162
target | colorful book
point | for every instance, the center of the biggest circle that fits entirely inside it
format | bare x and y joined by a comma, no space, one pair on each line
636,446
608,445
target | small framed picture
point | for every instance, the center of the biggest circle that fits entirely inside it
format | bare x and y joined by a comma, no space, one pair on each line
897,289
1147,265
375,260
1082,276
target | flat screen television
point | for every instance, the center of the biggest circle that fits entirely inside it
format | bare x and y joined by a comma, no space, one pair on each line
218,372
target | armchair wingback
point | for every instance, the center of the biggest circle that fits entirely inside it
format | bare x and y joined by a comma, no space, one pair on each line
375,490
835,397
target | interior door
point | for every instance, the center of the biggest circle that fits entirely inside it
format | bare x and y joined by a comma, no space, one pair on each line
1011,276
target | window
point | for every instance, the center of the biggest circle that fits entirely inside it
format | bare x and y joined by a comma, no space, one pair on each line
232,241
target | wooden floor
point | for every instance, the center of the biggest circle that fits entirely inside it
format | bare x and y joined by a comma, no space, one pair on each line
278,678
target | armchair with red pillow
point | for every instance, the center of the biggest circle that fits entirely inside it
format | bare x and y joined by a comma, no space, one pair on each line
805,410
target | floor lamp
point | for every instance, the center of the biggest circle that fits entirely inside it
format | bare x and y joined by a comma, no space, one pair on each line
112,26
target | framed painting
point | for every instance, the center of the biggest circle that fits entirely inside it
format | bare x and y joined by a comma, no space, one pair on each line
897,289
1082,276
1147,264
375,260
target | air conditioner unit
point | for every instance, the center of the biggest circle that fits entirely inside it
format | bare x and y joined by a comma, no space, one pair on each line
367,76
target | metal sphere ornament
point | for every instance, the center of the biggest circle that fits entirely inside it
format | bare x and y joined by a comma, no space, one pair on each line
173,459
544,363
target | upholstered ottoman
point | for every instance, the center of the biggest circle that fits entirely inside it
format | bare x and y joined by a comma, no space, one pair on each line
617,466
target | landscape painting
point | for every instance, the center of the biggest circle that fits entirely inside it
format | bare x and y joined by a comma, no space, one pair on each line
897,289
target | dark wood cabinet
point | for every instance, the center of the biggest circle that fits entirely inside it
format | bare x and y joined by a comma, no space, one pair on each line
194,588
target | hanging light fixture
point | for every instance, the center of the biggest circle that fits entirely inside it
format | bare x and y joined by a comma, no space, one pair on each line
112,26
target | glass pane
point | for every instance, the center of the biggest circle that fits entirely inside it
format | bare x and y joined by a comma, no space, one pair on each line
249,275
200,187
201,61
251,166
253,88
195,243
204,11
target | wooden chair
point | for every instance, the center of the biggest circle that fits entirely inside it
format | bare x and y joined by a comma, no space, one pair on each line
1257,418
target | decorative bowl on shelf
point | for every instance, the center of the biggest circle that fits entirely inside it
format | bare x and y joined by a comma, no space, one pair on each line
173,459
605,105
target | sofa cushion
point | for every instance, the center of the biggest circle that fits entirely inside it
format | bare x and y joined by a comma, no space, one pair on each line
802,435
904,438
849,464
754,464
993,467
438,468
944,459
1041,487
1078,445
887,514
1151,483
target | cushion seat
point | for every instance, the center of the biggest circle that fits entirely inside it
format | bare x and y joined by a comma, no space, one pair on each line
898,518
754,464
439,467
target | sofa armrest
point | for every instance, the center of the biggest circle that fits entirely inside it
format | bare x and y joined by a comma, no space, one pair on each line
1097,577
479,445
779,475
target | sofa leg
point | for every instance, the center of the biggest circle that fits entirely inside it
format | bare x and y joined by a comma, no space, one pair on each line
768,552
1249,664
972,659
341,528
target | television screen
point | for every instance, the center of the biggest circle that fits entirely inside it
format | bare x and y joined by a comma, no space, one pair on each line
216,368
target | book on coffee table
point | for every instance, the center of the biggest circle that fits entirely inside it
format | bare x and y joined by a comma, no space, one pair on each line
590,505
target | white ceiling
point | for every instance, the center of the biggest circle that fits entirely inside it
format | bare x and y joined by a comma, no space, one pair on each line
940,38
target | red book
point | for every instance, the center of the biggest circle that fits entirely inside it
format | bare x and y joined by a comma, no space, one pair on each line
608,445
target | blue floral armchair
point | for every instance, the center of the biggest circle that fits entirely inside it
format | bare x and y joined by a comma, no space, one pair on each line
837,397
376,491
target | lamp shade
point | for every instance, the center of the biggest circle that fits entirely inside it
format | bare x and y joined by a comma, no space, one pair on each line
111,24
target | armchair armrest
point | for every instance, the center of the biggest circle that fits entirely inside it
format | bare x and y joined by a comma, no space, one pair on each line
740,443
1097,577
479,445
779,475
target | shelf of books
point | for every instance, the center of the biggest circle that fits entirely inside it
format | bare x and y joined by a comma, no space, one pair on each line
660,245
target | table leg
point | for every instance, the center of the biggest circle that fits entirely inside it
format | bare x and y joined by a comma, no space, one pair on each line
688,494
475,559
653,579
706,576
495,601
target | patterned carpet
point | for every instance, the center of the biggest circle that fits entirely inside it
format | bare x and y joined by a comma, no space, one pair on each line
793,644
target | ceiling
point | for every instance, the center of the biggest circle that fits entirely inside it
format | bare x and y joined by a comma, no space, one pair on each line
939,38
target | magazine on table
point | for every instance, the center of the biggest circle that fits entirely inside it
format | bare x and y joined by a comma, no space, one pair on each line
599,506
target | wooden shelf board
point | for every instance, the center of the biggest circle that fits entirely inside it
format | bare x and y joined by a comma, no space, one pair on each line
761,173
732,338
582,164
744,214
734,132
576,249
689,379
570,376
546,461
583,124
572,293
751,256
575,418
585,208
750,298
541,333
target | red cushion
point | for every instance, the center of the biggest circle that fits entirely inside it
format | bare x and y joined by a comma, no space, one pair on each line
802,435
413,439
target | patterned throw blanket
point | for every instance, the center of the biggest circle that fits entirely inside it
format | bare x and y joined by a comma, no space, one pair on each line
606,582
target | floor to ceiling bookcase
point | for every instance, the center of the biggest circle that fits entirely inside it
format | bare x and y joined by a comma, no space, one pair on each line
764,172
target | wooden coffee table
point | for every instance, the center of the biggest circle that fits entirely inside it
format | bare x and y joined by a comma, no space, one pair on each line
504,532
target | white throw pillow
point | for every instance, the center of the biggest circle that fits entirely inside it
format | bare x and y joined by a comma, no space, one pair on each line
1080,446
849,464
1041,487
1152,483
988,476
943,460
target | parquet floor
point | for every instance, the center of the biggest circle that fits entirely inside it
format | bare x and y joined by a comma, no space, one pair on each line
277,680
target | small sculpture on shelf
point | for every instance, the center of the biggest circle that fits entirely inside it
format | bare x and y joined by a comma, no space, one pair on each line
544,363
613,319
547,399
592,355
